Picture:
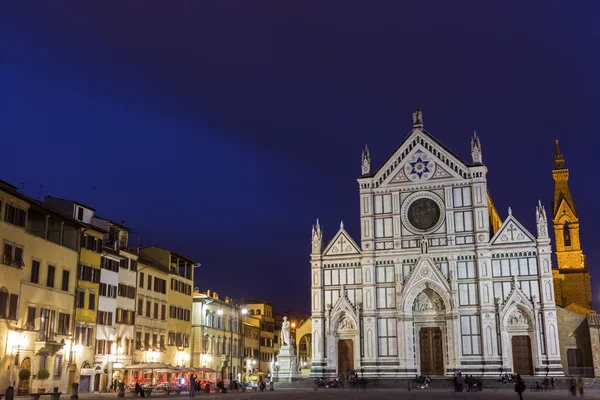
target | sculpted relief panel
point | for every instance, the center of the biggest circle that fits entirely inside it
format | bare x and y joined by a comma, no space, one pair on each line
428,300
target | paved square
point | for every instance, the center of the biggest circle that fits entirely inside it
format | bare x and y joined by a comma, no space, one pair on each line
391,394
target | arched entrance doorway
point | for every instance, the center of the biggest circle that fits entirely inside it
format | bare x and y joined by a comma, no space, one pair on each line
85,378
520,329
429,318
97,380
24,383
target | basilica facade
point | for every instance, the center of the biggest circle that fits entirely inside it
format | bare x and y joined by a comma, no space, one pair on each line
438,282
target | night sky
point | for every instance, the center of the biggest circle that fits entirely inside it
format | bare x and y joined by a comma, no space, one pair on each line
223,129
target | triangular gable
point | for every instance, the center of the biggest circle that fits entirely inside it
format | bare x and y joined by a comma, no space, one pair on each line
512,231
343,307
420,165
517,297
422,138
341,244
564,212
426,270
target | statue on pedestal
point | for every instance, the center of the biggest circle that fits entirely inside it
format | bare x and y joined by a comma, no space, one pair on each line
286,339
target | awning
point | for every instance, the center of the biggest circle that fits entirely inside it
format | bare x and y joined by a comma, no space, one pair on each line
150,367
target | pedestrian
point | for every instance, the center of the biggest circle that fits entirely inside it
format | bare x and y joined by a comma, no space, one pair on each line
552,384
573,386
193,386
580,385
520,386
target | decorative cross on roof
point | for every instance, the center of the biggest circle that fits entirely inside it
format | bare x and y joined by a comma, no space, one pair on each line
511,228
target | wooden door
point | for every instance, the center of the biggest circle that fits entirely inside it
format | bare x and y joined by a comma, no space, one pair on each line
521,352
345,356
432,351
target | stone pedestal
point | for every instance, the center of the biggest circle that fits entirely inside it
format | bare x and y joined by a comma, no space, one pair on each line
287,367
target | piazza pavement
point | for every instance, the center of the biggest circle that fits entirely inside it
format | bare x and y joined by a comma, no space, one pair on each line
347,394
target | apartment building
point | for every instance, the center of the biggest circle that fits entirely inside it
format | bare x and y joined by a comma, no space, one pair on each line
217,335
151,313
262,312
180,271
83,346
38,272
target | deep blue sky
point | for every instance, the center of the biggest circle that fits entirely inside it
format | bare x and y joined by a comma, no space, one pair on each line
224,129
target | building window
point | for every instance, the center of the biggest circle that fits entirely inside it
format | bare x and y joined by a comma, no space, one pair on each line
92,301
63,323
35,271
50,277
471,338
443,267
133,265
140,308
467,293
65,281
7,256
80,213
80,299
88,274
163,312
463,221
383,204
148,308
18,258
156,310
149,282
138,341
466,270
514,267
386,332
462,197
14,215
31,318
3,302
142,280
385,274
502,290
13,308
386,297
383,227
530,288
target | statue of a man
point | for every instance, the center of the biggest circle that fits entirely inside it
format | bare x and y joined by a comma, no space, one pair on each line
285,333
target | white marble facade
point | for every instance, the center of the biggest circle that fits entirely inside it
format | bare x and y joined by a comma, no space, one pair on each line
436,284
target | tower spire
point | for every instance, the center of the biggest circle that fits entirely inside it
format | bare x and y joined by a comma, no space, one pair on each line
476,149
559,161
366,161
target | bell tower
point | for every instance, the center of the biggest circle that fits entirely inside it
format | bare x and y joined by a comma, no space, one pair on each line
572,286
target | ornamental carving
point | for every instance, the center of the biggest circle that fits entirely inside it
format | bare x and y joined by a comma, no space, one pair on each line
345,324
428,300
518,318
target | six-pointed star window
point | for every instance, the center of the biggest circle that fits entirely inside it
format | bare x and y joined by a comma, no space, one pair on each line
419,167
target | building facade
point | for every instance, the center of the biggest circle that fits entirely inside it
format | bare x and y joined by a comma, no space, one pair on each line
151,313
572,280
83,367
262,312
216,335
439,282
38,273
178,288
